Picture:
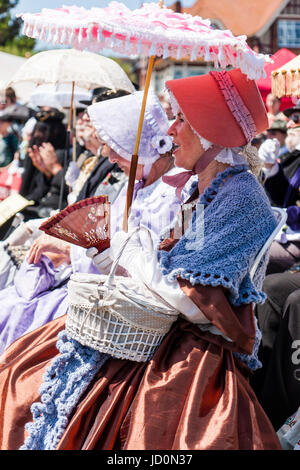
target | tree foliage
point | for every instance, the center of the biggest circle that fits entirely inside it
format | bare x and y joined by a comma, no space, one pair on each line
11,39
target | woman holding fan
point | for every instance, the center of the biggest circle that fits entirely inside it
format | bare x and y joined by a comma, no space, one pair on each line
51,261
194,393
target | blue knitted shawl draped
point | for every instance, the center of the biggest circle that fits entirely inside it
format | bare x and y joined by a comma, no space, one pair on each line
64,382
219,247
236,221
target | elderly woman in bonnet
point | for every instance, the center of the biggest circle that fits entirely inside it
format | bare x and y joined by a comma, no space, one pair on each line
51,261
152,197
154,202
194,393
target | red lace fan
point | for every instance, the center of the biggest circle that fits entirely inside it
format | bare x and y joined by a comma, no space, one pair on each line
85,223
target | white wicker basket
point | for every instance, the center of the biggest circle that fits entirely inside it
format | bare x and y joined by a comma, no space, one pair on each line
116,315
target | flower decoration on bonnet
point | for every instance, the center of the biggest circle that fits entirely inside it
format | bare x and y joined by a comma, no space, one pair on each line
162,143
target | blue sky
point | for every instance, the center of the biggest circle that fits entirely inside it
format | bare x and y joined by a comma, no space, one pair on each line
32,6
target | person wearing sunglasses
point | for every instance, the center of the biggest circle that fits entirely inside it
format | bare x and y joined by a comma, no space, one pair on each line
293,115
278,131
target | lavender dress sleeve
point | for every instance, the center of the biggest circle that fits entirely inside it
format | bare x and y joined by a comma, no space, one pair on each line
33,300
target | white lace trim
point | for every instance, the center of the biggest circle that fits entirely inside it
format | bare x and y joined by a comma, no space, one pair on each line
231,157
173,103
205,143
227,155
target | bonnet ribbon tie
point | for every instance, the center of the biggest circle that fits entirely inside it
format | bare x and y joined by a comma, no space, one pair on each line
139,185
180,180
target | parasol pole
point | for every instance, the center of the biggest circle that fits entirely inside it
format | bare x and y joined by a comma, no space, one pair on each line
71,109
74,135
135,157
66,150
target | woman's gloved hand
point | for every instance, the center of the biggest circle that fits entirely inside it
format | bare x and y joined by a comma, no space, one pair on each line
139,259
103,260
268,151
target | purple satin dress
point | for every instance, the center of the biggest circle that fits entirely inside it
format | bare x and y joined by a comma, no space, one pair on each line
37,296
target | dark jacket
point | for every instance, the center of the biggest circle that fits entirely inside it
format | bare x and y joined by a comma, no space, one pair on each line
100,171
278,187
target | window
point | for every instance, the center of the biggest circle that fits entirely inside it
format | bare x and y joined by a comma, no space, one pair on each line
288,33
293,8
194,72
177,73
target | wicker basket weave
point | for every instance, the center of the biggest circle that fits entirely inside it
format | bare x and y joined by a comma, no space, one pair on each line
116,315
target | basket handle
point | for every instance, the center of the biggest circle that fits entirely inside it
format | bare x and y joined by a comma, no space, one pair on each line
109,282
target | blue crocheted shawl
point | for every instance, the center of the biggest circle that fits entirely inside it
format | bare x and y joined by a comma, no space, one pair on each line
232,221
231,224
64,382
